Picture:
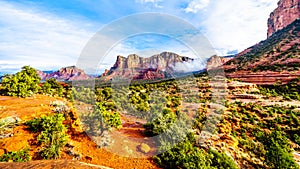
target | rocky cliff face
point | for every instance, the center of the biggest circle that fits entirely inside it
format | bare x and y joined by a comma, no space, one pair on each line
65,74
136,67
274,59
286,12
278,57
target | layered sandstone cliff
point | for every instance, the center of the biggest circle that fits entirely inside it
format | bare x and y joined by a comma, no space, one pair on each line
136,67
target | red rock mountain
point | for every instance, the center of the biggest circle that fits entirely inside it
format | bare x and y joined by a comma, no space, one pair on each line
286,13
276,59
136,67
272,60
70,73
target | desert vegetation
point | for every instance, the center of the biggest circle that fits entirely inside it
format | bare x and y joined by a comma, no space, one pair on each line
175,112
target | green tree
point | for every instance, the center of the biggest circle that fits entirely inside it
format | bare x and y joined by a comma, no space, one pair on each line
52,87
160,122
279,150
22,84
100,120
184,155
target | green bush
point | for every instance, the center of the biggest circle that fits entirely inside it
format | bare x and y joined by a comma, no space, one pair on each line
52,87
53,145
185,155
22,84
278,151
19,156
288,91
221,160
86,95
53,134
160,121
100,119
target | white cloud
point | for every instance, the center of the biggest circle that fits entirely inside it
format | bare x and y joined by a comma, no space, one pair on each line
146,1
47,41
39,39
130,46
196,5
155,3
235,24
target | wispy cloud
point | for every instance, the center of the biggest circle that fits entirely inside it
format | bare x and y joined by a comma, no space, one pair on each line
36,38
145,45
48,37
155,3
229,25
196,5
236,25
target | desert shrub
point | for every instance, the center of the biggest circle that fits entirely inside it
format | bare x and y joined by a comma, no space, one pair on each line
22,84
296,139
106,93
295,119
140,99
278,151
53,134
160,121
257,148
100,120
52,144
221,160
184,155
288,91
83,94
176,101
18,156
178,147
52,87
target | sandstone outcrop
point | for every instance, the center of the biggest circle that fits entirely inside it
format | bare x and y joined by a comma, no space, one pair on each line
154,67
286,13
70,73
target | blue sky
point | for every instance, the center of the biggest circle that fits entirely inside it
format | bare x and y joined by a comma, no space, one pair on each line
49,34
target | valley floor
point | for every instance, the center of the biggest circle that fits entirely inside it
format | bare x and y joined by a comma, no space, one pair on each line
29,108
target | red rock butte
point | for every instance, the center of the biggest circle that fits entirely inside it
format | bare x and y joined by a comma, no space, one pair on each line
286,13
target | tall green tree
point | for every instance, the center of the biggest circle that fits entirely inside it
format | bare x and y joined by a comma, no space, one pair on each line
22,84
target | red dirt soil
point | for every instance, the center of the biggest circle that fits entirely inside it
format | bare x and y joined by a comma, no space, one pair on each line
29,108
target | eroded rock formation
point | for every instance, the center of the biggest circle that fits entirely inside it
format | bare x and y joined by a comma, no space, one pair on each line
136,67
286,12
70,73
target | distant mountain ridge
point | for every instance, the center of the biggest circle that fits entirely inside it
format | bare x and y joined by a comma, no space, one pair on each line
71,73
154,67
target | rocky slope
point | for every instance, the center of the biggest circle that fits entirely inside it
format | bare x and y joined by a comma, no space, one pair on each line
136,67
276,59
286,13
70,73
